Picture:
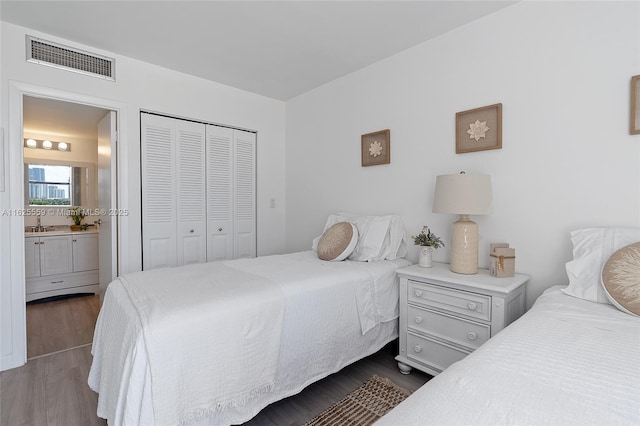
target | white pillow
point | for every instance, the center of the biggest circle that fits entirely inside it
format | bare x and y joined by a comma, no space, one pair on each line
592,247
397,239
379,237
372,230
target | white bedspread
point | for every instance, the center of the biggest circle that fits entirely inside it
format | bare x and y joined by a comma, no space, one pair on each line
194,310
334,314
565,362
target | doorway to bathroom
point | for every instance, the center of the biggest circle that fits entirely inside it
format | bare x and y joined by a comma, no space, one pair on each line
68,249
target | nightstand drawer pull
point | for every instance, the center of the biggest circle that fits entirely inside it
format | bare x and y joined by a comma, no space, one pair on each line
418,320
417,349
418,293
472,306
471,335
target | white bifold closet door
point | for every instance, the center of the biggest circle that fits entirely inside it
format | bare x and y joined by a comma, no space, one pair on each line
244,194
198,192
173,192
231,193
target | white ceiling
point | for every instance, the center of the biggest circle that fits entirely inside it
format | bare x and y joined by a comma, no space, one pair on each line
60,120
278,49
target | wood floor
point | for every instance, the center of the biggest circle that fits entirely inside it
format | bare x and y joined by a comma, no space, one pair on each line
52,389
60,324
298,409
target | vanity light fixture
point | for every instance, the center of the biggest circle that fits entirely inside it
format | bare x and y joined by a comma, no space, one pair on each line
47,144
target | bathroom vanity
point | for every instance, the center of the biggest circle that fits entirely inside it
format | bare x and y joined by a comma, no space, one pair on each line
61,262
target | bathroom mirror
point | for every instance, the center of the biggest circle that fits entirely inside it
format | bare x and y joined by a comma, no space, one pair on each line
49,183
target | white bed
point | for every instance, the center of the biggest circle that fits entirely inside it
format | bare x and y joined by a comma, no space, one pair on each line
572,359
331,314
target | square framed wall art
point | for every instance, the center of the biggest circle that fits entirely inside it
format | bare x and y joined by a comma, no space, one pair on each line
376,148
479,129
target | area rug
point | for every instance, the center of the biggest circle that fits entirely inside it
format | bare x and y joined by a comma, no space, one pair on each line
364,405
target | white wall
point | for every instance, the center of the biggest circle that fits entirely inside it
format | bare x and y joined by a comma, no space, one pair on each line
562,72
142,86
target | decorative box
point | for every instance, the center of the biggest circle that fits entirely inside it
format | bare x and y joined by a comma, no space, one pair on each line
502,260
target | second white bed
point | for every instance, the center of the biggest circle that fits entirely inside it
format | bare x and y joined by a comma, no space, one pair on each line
567,361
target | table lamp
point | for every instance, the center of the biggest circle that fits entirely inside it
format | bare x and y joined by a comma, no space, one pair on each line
463,194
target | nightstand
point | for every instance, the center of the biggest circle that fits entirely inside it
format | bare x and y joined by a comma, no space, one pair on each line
445,316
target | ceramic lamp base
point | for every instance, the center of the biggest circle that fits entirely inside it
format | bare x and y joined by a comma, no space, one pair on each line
464,246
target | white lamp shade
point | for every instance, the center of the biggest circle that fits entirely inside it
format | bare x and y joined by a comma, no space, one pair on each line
462,194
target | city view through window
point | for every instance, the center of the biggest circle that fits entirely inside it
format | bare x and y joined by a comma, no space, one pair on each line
50,185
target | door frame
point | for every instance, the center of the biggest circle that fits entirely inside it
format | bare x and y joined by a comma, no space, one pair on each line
17,91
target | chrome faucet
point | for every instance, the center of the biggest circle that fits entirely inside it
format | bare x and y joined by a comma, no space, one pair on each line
39,227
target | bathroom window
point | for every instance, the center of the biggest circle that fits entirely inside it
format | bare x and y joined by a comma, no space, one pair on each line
50,185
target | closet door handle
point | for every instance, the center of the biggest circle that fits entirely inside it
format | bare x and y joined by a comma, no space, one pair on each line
192,231
219,229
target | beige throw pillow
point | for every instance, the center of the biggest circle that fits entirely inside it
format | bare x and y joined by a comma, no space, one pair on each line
621,278
338,241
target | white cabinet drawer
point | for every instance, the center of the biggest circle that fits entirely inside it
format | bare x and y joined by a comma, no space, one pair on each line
54,282
456,330
436,355
458,302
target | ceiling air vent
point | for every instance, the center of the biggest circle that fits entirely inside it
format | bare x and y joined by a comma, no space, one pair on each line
60,56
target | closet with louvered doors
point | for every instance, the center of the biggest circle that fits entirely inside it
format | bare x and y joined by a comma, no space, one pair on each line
198,192
231,193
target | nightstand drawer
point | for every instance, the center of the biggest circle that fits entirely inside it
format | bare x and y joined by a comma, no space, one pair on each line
459,302
456,330
434,354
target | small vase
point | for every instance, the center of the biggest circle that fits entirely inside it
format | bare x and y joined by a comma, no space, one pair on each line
425,257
